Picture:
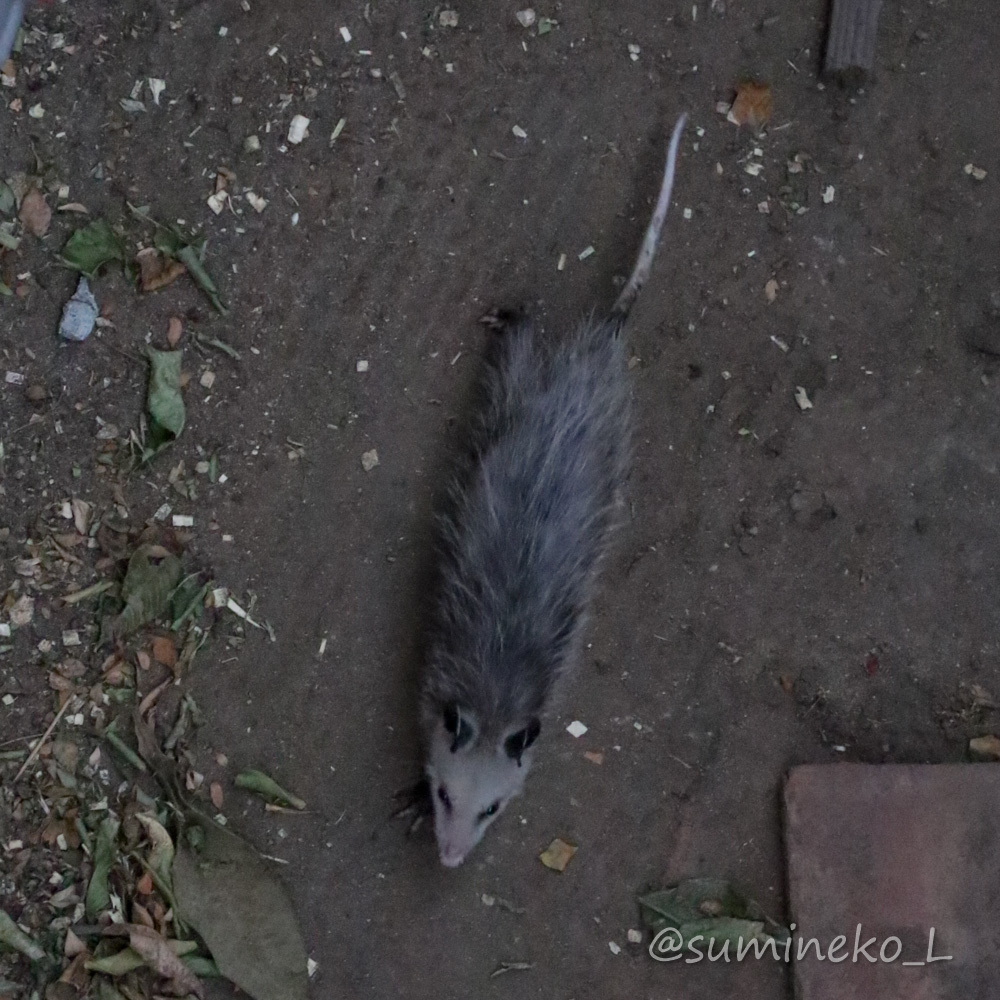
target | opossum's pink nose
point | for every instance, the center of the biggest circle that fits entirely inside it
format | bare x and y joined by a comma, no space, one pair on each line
450,857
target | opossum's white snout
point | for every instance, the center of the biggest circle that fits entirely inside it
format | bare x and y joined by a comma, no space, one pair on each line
451,858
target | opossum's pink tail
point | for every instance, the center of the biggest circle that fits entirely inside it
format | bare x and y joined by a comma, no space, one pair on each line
644,262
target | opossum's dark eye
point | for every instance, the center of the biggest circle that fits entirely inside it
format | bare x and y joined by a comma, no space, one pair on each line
444,797
492,811
518,742
459,727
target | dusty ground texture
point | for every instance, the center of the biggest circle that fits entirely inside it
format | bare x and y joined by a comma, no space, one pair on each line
791,586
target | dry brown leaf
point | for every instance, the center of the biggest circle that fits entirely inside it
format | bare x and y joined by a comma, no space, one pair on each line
164,651
158,955
143,657
771,290
175,328
215,791
752,105
74,206
557,855
155,270
73,946
593,757
154,696
986,746
145,884
35,213
140,915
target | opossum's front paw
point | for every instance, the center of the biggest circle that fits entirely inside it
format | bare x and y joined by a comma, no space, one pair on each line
501,320
414,804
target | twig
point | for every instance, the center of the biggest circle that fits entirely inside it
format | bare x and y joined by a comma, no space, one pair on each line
38,746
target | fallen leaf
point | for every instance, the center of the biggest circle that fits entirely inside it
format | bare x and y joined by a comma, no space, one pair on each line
227,894
157,271
771,290
787,683
215,793
265,786
163,400
752,105
708,907
164,651
22,611
152,574
871,664
93,245
986,746
159,956
594,757
98,895
175,329
557,855
12,936
145,884
74,206
35,213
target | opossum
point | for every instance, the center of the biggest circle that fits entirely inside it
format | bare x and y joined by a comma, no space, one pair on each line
526,525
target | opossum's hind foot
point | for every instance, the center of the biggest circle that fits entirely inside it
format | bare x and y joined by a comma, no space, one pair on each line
414,804
501,320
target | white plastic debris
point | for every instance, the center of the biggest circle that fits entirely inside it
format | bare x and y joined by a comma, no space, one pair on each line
634,936
257,203
345,34
802,398
79,314
616,949
369,460
448,19
829,193
156,87
526,17
298,129
182,521
519,132
361,366
576,728
633,51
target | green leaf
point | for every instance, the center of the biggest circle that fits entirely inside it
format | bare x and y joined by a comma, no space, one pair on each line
7,199
117,964
711,908
12,936
240,910
93,245
151,576
98,896
163,400
189,257
7,239
265,786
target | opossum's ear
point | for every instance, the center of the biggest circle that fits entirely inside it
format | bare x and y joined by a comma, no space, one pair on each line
459,726
518,742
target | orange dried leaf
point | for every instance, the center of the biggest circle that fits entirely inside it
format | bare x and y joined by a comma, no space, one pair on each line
557,855
164,651
35,214
752,105
157,271
145,884
175,328
215,791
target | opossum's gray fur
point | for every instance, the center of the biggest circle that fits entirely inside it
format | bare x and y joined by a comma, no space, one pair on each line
528,521
530,512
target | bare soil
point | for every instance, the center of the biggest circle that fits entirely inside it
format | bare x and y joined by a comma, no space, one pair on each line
791,586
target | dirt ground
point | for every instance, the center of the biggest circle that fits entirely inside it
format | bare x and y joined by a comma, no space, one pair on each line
792,585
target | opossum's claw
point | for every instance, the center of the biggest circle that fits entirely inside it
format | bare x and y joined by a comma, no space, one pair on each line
500,320
414,801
